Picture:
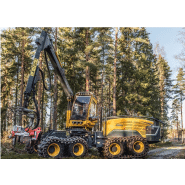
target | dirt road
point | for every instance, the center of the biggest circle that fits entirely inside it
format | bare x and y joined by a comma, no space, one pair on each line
165,152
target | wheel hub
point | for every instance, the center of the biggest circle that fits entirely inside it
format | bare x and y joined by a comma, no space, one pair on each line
51,149
137,146
76,149
114,149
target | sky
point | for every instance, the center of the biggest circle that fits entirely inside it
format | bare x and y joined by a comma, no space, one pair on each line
168,37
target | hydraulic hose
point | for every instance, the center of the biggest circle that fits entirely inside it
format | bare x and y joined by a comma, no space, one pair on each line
47,89
37,111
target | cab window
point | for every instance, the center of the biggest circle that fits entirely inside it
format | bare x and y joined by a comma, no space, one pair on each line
80,108
92,111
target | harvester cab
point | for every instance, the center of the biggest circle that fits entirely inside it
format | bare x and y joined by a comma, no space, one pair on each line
84,111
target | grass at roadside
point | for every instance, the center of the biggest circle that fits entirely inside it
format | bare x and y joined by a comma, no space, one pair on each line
160,144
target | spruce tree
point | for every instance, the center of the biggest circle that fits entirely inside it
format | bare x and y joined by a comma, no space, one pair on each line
136,86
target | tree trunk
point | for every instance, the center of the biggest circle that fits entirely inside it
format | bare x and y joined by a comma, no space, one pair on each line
51,107
161,85
55,91
87,67
114,83
22,78
109,96
16,92
182,122
102,84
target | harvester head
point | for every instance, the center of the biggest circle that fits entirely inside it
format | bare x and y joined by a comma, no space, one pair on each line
27,134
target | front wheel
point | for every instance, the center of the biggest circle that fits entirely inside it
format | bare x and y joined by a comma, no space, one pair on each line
78,148
51,147
54,150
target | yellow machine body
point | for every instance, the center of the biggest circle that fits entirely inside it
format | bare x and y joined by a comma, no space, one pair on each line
126,124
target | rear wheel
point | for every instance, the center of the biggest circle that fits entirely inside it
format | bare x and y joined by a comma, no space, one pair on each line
113,148
78,148
138,146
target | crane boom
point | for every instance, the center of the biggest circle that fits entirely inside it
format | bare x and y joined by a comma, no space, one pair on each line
45,44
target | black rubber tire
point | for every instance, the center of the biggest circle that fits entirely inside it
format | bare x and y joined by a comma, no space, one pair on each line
55,154
108,151
41,147
81,148
142,144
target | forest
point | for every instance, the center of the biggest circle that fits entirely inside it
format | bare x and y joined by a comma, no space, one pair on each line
119,65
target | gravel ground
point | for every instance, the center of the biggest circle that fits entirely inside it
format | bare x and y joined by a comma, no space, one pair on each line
165,152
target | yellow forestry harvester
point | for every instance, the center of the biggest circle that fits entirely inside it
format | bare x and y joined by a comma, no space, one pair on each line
118,137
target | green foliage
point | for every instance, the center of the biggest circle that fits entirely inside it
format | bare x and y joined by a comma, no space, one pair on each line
160,144
140,74
180,85
179,96
137,91
11,56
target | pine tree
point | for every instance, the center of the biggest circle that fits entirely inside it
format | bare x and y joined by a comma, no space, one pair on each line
180,92
55,91
24,39
114,85
83,45
174,115
101,71
9,70
15,48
